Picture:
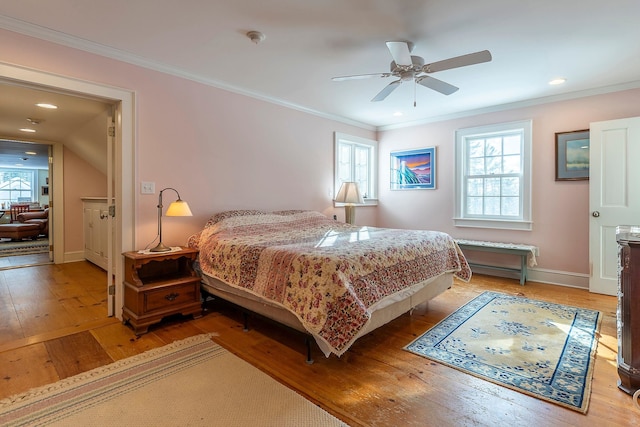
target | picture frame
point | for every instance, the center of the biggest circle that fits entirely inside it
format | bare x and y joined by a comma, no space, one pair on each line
45,190
572,155
413,169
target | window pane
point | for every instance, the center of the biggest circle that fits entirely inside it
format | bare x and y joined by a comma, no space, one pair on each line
476,148
476,166
494,165
492,206
511,206
474,205
475,186
511,186
511,164
494,147
511,145
492,187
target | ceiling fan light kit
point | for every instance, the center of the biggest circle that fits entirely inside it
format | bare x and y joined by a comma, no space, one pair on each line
409,68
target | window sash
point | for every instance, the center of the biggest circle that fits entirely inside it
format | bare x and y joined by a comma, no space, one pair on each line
15,184
493,176
356,162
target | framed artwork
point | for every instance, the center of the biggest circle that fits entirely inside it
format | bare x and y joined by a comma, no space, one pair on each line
45,190
572,155
413,169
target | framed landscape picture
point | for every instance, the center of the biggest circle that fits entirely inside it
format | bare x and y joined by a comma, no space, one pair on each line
413,169
572,155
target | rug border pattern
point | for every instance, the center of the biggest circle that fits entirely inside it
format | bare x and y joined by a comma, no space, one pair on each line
97,385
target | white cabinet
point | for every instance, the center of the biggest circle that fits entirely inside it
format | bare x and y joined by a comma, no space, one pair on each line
95,212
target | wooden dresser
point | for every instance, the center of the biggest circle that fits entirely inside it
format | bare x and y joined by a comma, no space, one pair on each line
628,317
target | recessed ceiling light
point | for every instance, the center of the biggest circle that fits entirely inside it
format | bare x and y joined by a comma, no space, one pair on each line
397,114
30,153
45,105
557,81
28,130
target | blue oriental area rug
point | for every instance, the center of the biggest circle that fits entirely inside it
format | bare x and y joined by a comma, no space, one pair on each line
542,349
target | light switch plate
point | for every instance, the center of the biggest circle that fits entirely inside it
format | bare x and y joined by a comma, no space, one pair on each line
147,187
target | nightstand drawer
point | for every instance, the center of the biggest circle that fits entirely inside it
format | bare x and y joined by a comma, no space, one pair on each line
171,296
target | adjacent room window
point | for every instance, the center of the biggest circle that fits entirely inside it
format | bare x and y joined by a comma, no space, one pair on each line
356,162
17,186
493,176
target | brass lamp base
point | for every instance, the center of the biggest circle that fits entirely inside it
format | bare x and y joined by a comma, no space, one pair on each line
160,248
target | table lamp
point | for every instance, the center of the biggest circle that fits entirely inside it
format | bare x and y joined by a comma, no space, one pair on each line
349,194
177,208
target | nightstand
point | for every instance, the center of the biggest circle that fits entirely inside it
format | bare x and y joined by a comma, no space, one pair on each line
159,284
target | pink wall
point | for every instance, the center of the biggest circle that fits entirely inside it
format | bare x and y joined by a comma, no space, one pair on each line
220,150
560,209
80,180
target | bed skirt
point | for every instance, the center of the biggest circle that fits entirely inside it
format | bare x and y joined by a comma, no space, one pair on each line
383,312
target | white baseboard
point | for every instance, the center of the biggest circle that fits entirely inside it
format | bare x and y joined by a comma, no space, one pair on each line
553,277
562,278
73,256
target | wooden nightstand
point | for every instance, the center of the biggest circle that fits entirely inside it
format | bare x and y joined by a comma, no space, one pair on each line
157,285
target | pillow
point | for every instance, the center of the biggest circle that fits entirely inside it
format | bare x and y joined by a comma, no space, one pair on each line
230,214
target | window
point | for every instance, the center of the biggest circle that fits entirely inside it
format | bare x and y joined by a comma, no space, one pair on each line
17,185
356,162
493,176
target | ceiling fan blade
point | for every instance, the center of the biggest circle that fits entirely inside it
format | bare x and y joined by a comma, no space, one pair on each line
458,61
400,52
359,76
386,91
437,85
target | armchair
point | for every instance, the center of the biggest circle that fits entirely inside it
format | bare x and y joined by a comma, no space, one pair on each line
36,217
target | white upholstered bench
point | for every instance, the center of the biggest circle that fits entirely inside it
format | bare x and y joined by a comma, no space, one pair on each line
527,254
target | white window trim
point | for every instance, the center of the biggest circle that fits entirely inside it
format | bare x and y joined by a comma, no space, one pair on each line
525,224
338,137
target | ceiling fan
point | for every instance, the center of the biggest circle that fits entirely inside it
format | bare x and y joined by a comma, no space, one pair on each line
406,67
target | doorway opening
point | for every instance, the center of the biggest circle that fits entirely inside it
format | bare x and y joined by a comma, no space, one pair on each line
122,103
24,204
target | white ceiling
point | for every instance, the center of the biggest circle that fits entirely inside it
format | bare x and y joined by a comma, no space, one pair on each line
592,43
18,110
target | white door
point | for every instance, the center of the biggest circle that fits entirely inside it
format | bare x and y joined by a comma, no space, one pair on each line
614,195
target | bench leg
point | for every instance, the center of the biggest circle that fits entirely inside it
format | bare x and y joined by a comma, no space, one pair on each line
523,269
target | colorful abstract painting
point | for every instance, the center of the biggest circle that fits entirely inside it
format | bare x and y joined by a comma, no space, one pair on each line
413,169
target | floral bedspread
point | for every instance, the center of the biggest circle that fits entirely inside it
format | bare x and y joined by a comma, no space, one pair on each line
329,274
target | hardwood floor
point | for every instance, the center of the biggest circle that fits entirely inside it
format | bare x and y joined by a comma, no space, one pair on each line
53,325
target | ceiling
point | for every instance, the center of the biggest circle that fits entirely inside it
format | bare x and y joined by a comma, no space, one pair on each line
18,110
591,43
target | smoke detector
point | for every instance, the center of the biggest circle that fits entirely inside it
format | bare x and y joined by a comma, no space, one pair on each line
256,36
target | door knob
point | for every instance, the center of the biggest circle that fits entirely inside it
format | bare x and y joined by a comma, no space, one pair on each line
595,214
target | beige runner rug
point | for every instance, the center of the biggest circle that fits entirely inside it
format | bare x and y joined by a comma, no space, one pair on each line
193,382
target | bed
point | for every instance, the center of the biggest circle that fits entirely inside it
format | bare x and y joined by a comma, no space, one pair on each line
333,281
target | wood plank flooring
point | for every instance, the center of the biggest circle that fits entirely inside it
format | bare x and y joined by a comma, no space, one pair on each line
53,324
